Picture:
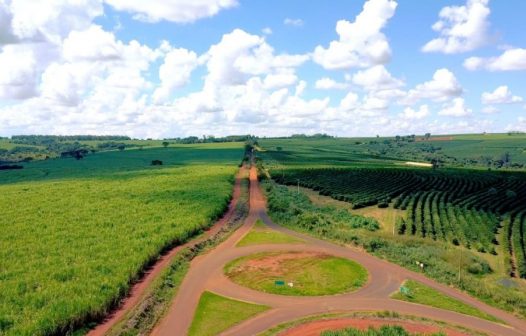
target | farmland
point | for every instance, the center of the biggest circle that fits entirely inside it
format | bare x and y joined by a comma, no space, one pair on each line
76,233
439,214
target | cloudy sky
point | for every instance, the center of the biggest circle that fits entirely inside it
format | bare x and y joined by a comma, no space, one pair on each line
166,68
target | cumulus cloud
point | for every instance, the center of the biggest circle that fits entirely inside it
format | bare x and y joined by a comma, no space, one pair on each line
501,95
442,87
180,11
361,43
457,108
461,28
376,78
510,60
349,102
326,83
412,114
175,72
18,75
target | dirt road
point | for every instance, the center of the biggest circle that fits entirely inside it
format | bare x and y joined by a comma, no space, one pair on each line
206,273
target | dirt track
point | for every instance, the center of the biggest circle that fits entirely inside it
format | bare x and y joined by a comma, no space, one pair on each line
206,273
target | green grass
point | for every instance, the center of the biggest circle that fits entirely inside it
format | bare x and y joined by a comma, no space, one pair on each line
382,331
76,233
311,274
419,293
469,150
216,313
262,234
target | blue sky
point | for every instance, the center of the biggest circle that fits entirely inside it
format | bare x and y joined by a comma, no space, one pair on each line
181,67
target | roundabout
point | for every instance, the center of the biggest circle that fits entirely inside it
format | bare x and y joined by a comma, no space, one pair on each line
297,273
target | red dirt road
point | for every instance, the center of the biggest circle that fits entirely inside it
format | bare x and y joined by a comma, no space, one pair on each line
206,273
139,288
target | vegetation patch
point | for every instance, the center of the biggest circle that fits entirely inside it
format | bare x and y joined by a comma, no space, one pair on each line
297,273
216,313
382,331
262,234
77,234
441,260
418,293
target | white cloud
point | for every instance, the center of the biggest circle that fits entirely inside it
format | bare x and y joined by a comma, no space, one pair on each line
361,43
18,75
293,22
180,11
326,83
48,21
510,60
411,114
442,87
239,56
280,80
461,28
457,108
349,102
376,78
92,44
501,95
175,72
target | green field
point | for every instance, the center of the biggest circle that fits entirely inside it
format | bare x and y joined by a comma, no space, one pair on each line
461,151
440,213
419,293
216,313
75,233
310,274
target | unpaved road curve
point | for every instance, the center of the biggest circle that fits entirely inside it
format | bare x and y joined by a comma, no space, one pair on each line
206,273
139,288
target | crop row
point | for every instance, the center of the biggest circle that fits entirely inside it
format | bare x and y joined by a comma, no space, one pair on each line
464,208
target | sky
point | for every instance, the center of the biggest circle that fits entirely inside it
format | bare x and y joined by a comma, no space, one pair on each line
174,68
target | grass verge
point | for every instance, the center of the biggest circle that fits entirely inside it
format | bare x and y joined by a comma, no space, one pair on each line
298,274
419,293
382,331
262,234
216,313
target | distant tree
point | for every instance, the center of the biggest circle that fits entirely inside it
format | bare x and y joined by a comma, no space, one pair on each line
506,159
397,138
166,144
279,148
427,136
121,147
